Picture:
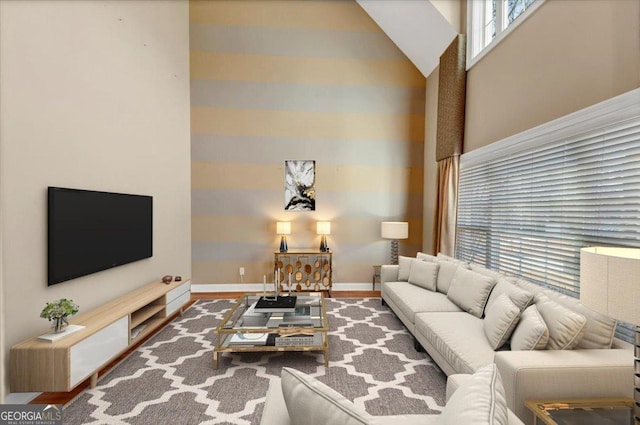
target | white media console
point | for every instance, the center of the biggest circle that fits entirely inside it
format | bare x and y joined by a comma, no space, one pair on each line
109,331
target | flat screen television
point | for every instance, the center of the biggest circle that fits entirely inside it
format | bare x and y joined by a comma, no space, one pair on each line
91,231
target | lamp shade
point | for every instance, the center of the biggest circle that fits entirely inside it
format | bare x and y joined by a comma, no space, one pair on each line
283,227
323,227
610,282
394,230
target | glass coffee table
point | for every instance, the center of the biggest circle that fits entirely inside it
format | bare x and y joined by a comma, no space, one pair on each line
248,329
588,411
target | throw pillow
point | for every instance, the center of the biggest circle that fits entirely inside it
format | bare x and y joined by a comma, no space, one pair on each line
425,257
470,291
479,401
600,329
310,402
566,327
444,257
531,333
404,267
520,297
485,271
500,321
424,274
445,275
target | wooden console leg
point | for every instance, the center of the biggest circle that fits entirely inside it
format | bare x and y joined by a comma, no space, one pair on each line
94,380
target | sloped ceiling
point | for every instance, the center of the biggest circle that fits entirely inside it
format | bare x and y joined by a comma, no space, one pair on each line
415,26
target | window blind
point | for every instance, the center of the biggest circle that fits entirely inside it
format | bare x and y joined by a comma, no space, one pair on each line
528,204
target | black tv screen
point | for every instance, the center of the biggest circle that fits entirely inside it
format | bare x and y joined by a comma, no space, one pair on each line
90,231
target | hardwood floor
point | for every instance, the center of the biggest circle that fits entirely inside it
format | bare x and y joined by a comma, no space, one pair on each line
64,398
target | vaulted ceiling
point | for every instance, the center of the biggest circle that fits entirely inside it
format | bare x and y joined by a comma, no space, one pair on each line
416,26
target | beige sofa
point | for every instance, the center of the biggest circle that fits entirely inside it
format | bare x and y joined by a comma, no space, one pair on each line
544,344
299,399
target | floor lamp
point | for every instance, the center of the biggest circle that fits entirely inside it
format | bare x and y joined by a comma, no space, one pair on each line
610,284
394,230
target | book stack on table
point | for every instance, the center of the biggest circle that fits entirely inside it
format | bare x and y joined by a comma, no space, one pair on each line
276,304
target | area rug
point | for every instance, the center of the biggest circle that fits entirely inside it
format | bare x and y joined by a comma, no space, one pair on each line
171,380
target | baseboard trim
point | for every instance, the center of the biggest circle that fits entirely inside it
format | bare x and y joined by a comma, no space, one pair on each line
257,287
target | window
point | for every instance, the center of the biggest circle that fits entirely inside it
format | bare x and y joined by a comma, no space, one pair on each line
529,203
491,20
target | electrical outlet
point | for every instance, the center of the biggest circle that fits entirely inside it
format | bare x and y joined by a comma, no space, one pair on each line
241,271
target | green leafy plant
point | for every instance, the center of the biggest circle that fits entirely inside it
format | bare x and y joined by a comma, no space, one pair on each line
59,309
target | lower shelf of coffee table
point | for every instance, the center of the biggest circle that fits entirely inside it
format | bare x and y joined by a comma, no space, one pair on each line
319,343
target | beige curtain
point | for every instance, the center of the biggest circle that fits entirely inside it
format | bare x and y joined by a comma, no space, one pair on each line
449,143
446,206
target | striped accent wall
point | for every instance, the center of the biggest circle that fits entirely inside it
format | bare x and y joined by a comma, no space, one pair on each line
306,80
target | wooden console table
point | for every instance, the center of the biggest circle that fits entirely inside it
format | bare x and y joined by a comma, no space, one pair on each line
109,330
310,269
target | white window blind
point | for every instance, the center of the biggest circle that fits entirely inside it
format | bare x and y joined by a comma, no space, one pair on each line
527,204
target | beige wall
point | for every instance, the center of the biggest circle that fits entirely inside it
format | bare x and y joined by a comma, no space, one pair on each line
566,56
95,95
307,80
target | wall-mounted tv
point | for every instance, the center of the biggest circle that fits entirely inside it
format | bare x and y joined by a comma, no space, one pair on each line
91,231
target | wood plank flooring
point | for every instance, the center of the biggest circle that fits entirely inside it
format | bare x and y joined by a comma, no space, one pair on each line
64,398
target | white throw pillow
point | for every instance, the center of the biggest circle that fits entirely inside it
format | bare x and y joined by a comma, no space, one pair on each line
404,267
425,257
479,401
531,333
600,329
500,321
444,257
566,327
445,275
520,297
310,402
470,290
424,274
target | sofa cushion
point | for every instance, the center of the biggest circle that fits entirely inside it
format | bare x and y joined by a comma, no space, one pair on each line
519,296
404,268
424,274
500,321
600,329
458,337
310,402
480,400
531,333
412,299
566,327
470,290
445,275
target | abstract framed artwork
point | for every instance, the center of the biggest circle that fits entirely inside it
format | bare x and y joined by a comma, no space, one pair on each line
299,185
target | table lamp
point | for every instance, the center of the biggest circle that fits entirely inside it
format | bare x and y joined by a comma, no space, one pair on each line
283,228
394,230
323,228
610,284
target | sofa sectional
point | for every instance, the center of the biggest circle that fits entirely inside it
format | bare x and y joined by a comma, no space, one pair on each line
544,344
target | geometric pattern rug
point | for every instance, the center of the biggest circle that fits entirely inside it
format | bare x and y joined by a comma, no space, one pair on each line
170,379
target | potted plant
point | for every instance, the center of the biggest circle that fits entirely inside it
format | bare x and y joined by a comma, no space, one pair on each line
58,311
